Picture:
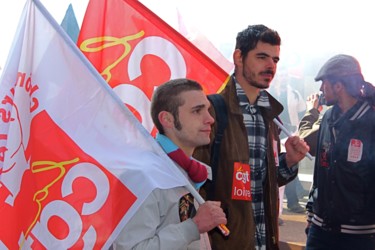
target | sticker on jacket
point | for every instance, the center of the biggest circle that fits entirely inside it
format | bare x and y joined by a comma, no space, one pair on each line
186,207
241,182
355,150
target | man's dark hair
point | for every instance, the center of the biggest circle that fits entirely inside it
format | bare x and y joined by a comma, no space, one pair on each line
248,38
167,98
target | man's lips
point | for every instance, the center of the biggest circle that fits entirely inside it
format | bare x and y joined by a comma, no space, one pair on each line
206,130
267,74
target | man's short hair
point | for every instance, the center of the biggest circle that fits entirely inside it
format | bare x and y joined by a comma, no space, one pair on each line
166,97
248,38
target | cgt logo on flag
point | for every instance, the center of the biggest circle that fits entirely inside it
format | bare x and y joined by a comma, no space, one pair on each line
51,193
135,51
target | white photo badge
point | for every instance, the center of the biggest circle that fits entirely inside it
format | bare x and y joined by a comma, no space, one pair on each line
355,150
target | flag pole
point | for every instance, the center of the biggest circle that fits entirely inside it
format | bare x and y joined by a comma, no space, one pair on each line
308,155
223,229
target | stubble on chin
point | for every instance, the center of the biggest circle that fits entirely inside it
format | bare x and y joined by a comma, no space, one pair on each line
259,85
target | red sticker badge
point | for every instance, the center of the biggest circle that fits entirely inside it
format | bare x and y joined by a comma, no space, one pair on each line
355,150
241,182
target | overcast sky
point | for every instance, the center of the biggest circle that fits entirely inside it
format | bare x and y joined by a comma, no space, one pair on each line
310,30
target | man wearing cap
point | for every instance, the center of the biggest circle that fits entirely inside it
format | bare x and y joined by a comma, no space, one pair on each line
341,208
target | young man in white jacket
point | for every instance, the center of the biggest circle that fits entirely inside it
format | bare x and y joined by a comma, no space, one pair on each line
171,218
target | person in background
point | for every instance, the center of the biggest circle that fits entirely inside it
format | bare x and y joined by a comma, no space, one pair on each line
250,168
283,88
341,212
170,218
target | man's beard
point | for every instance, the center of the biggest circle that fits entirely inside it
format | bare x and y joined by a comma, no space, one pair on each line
259,85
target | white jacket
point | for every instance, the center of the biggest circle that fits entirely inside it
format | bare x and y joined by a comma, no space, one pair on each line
157,224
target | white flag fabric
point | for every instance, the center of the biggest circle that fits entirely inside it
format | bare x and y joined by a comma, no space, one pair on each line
75,164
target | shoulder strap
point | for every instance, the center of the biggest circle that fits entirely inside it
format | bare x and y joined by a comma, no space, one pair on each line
221,120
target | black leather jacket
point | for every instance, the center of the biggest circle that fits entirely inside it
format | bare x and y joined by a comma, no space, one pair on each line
344,174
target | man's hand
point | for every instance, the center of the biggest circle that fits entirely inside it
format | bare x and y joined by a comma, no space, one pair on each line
313,102
296,149
209,216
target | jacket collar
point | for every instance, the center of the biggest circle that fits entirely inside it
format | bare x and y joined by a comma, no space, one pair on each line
230,94
354,113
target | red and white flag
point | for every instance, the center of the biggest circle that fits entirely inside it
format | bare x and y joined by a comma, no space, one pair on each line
75,163
136,51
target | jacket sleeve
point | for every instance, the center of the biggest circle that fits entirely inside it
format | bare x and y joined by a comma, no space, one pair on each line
309,205
312,196
142,231
308,129
285,174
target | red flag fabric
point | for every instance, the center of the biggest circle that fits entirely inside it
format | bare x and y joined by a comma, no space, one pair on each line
135,51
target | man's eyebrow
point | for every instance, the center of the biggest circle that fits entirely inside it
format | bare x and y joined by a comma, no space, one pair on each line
263,54
199,106
267,55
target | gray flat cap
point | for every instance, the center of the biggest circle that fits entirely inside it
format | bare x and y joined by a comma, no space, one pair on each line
339,65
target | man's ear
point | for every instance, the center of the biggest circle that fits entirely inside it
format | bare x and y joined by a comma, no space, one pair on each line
237,57
166,119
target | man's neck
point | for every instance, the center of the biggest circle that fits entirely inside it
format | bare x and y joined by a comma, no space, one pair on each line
187,150
250,91
346,103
